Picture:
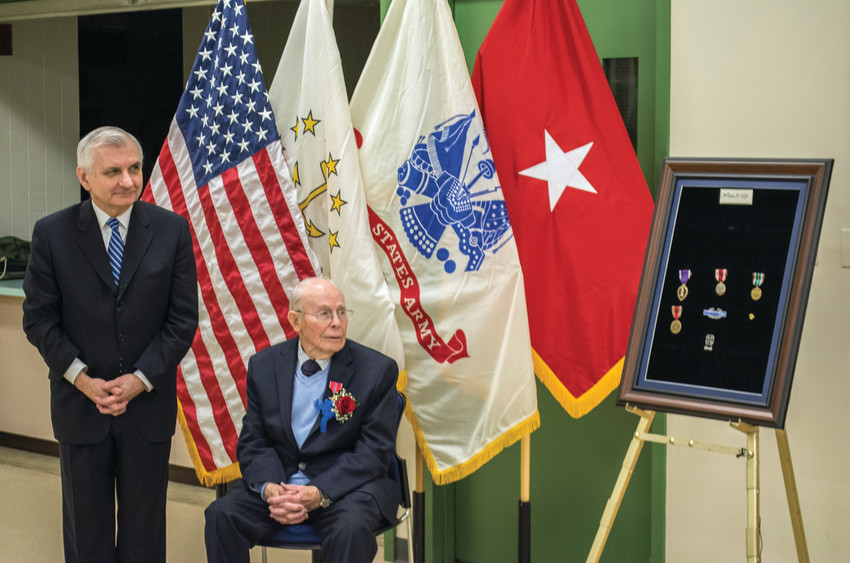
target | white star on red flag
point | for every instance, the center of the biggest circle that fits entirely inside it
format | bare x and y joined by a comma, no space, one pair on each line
561,170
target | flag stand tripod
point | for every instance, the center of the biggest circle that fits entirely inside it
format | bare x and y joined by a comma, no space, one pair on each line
751,452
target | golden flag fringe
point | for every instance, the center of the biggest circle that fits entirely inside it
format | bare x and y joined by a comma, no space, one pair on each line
577,406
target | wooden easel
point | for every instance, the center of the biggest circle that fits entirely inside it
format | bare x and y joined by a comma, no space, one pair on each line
751,452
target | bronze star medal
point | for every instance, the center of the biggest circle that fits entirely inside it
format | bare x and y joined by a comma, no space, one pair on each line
676,325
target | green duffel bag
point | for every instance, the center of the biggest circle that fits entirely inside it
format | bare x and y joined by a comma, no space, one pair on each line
14,254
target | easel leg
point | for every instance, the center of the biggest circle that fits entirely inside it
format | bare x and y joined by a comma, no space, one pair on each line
619,491
793,499
753,512
753,516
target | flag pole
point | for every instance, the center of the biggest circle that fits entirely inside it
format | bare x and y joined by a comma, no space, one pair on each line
418,538
524,555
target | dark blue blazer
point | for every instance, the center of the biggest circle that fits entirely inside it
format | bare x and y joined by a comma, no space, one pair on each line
73,309
347,456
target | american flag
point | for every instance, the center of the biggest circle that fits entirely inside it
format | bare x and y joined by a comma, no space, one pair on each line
222,167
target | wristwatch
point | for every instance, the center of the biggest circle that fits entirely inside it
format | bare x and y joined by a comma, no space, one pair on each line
325,500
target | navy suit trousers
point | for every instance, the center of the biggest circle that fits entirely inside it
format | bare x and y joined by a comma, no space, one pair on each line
237,521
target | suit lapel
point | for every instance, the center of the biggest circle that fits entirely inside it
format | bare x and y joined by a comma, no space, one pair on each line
138,240
284,376
90,241
341,372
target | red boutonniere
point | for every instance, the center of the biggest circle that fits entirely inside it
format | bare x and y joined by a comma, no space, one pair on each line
344,404
339,406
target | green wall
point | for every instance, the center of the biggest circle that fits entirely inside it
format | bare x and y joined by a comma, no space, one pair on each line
574,465
574,462
619,28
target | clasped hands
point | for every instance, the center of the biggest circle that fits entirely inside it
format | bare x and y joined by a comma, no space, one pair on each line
290,504
110,397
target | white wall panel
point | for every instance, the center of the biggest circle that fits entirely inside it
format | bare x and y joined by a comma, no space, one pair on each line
39,123
770,78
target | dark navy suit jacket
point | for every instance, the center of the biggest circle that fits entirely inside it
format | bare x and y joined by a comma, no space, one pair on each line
347,456
73,309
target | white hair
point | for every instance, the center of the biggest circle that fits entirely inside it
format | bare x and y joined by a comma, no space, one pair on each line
108,135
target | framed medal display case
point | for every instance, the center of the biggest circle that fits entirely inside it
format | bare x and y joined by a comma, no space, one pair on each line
725,283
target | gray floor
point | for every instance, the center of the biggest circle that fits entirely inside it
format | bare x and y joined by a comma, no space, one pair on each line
31,520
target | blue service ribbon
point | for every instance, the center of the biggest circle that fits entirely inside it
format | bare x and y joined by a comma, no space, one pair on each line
326,407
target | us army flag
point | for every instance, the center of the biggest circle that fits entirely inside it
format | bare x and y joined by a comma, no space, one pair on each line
447,246
311,107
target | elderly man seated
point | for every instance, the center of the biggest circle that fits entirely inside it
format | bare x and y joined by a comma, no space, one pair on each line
316,439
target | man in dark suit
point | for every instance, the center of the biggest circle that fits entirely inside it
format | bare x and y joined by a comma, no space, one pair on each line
112,322
304,463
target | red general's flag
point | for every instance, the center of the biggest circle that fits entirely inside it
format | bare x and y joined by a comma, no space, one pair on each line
222,167
576,197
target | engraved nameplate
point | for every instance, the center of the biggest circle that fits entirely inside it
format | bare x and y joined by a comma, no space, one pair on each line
736,197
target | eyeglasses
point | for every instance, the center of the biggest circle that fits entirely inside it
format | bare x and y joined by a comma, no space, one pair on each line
325,317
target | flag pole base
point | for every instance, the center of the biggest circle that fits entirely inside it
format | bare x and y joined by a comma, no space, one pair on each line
524,555
418,527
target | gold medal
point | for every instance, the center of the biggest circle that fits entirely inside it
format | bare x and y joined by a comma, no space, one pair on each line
758,279
676,325
720,276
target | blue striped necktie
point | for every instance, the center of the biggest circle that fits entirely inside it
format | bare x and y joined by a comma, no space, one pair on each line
115,250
